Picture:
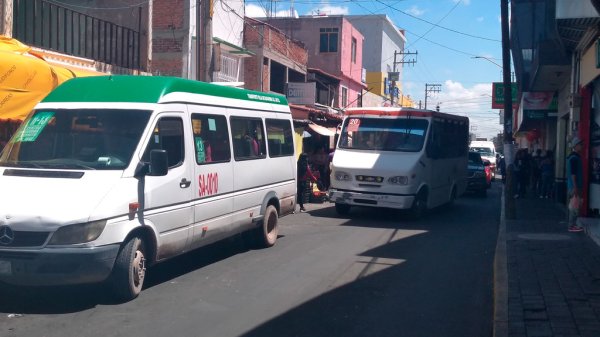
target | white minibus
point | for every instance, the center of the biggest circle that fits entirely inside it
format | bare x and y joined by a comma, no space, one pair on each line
109,175
399,158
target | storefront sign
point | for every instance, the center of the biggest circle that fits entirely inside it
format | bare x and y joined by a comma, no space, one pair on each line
301,93
498,95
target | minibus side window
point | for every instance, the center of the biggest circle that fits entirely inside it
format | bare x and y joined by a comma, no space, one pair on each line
279,138
211,139
167,135
248,138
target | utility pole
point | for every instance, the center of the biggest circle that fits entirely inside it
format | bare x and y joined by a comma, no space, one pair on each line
509,202
429,88
395,76
204,13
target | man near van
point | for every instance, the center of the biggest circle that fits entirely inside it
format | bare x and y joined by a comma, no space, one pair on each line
574,183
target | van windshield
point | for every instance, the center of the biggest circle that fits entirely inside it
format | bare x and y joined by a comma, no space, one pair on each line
484,151
92,139
384,134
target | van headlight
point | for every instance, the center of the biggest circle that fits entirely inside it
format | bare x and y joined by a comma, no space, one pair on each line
342,176
398,180
79,233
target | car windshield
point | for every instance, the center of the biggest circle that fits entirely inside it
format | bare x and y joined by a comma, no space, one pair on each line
385,134
484,151
87,139
475,159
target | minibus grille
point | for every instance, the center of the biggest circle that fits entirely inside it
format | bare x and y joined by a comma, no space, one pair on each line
26,239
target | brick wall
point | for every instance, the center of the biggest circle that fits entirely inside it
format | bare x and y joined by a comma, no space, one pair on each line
251,74
170,27
170,14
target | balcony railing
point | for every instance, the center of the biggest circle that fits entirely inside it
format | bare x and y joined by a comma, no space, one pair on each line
46,25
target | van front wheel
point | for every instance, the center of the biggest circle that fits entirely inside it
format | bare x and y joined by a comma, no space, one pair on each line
130,270
419,206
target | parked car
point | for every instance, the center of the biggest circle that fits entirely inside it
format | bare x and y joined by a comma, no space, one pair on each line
477,177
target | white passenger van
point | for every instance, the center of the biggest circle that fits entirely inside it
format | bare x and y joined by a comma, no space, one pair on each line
399,158
487,151
109,175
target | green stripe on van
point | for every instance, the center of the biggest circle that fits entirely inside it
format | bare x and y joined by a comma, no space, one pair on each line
147,89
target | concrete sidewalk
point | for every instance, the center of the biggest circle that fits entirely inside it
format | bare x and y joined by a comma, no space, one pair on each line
546,279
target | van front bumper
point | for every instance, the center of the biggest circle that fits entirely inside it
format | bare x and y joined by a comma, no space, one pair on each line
371,199
57,266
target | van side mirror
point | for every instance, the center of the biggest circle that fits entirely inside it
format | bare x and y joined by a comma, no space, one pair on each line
158,165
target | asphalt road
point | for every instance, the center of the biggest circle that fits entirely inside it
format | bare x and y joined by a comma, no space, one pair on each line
371,273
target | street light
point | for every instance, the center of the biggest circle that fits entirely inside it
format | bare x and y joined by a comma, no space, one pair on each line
512,74
486,58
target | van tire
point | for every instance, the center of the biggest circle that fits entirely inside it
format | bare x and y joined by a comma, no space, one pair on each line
419,206
129,272
266,234
342,209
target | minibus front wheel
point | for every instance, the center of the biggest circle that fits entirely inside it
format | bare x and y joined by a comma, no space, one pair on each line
342,209
129,271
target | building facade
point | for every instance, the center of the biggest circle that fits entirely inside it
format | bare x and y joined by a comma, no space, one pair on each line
382,54
335,47
555,49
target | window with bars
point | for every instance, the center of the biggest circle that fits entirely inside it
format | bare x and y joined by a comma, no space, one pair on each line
230,69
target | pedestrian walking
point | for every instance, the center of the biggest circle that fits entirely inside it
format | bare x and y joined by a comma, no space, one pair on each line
547,171
574,183
536,172
304,173
522,172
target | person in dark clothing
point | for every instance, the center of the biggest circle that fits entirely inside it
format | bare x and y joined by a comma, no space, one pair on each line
304,173
547,171
574,183
536,173
522,172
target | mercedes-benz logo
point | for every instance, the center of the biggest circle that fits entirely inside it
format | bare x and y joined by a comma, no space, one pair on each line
7,236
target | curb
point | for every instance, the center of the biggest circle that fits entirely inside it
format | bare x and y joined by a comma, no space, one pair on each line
501,278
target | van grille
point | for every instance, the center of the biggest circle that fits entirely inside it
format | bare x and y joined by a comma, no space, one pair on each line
27,239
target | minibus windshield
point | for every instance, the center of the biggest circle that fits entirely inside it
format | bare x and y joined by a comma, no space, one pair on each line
484,151
384,134
83,139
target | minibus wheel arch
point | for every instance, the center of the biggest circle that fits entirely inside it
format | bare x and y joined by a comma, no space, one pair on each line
150,245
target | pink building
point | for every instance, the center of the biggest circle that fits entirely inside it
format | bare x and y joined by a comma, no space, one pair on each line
334,46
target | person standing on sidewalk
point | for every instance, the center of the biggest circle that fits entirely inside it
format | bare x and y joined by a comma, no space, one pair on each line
574,183
304,174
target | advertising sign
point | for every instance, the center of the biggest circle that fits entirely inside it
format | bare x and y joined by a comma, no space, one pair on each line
301,93
498,95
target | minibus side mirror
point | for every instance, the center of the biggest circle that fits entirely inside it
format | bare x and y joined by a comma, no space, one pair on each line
158,165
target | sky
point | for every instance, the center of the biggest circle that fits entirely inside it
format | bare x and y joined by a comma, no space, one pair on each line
458,44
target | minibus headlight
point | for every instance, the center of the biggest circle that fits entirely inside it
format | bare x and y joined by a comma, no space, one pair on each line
339,175
398,180
79,233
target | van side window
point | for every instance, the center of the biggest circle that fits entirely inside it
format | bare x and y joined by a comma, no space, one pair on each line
167,135
279,138
248,138
448,139
211,138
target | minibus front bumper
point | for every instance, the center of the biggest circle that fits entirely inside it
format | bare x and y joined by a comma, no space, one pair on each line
57,266
399,201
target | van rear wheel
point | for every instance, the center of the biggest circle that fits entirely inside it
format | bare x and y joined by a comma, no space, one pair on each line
129,272
266,234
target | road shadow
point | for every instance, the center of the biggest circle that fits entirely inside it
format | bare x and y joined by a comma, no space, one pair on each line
434,282
75,298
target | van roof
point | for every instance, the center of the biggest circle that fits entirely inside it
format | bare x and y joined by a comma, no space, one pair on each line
147,89
400,112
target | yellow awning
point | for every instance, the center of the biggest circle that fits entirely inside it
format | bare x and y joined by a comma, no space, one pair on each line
26,78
